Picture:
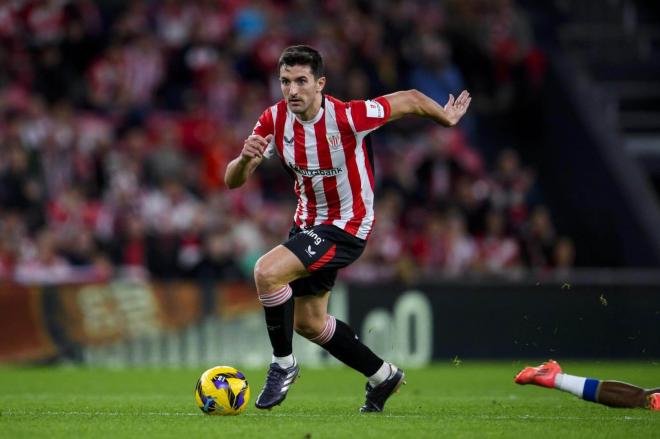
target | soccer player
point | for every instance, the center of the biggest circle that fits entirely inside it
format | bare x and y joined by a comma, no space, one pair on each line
611,393
322,143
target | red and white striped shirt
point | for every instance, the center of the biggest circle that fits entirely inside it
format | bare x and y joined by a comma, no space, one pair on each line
329,160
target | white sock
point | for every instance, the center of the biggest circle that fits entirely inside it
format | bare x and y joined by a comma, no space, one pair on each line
385,371
570,383
285,362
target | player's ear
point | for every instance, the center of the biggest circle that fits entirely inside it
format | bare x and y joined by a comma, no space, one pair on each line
320,84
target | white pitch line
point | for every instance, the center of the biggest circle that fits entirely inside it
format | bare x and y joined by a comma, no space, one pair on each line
35,413
326,415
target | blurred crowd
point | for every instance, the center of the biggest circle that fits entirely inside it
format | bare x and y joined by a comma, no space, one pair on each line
118,118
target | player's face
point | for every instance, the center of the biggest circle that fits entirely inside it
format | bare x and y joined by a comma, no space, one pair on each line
301,90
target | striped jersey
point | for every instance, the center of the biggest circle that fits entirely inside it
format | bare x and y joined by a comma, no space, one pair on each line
329,160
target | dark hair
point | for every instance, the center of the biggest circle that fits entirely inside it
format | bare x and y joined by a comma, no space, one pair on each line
304,56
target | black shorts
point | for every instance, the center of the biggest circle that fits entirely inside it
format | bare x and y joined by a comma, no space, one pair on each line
323,250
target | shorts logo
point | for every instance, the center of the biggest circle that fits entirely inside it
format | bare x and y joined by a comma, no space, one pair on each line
309,251
334,140
317,239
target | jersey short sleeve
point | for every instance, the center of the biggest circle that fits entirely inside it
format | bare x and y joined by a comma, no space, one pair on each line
263,128
371,114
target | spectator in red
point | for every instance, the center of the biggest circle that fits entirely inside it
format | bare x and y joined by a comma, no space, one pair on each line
511,187
13,241
105,79
45,21
43,264
129,249
429,247
498,253
72,212
142,70
221,88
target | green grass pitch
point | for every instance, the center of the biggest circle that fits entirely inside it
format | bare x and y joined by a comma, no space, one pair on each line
466,399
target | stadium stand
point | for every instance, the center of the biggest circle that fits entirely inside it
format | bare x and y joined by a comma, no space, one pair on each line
116,121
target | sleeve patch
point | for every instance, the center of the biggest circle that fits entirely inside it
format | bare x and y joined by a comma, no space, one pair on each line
375,109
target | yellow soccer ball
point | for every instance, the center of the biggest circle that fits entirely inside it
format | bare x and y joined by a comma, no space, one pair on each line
222,390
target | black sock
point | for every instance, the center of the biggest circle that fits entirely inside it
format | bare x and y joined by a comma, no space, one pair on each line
347,348
279,322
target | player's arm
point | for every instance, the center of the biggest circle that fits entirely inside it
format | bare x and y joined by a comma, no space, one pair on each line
413,102
239,169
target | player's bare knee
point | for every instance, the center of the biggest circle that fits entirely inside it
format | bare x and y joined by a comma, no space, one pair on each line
308,327
264,274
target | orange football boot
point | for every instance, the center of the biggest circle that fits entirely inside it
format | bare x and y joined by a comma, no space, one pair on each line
654,401
543,375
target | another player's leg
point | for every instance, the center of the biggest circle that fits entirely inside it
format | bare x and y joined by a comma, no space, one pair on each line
272,275
619,394
610,393
313,322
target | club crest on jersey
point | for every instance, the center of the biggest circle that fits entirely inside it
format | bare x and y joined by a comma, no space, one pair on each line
334,140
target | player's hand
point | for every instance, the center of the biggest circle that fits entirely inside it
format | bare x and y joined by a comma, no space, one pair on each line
254,147
456,108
